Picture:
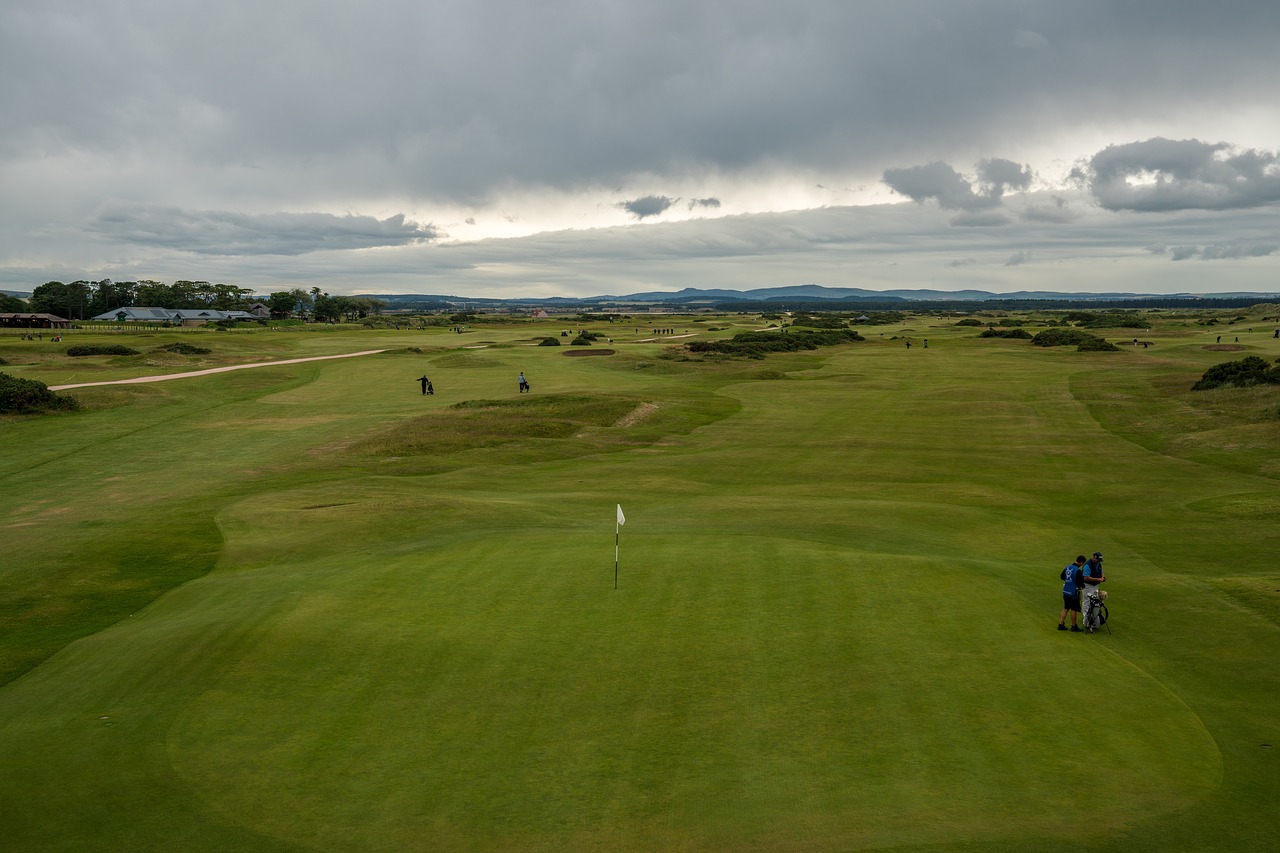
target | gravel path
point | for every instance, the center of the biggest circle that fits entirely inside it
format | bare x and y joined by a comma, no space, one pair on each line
169,376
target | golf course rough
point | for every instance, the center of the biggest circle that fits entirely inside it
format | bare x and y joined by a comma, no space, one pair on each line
303,607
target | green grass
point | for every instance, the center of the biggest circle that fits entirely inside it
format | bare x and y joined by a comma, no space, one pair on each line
304,607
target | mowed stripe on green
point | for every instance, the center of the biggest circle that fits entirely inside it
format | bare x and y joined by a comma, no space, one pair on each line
834,628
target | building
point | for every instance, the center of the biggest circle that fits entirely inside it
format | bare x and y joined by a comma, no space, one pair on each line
176,316
33,321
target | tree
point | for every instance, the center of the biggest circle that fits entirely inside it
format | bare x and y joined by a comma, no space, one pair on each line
326,308
52,297
13,305
282,303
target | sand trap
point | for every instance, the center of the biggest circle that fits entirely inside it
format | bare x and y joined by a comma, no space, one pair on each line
139,379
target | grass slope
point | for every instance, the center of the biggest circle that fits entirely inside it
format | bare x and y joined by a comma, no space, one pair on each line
390,620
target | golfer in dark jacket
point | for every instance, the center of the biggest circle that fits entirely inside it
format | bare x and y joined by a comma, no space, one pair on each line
1072,577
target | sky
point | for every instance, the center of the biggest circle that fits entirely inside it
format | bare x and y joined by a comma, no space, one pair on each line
576,148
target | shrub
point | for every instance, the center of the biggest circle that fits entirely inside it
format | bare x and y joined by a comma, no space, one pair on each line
184,349
100,349
1117,321
1019,334
1097,345
2,361
1250,370
758,344
818,321
579,341
1061,337
969,322
550,342
27,395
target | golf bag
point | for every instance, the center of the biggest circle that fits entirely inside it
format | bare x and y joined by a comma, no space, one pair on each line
1095,610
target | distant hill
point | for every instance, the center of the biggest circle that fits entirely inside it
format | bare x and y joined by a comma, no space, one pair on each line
808,293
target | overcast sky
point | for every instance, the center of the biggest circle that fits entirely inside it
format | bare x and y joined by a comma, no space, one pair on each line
565,147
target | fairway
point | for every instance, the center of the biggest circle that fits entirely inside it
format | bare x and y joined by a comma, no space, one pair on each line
305,607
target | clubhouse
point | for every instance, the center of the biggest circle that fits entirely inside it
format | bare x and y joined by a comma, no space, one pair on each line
33,321
182,316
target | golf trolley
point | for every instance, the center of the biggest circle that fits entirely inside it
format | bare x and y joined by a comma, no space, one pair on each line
1097,610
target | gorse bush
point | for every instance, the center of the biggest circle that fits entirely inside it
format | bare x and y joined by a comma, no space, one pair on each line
550,342
1062,337
19,396
1116,321
969,322
1018,334
1097,345
184,349
101,349
759,344
1250,370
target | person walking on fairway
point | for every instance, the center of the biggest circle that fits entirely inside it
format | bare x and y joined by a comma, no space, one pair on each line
524,383
426,386
1072,577
1092,602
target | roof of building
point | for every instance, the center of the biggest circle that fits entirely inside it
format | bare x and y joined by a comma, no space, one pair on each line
162,315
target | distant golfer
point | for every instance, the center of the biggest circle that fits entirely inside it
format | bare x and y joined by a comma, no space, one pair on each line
426,386
524,383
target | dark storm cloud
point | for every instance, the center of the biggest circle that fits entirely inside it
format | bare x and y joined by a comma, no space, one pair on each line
212,232
1178,174
456,100
650,205
975,200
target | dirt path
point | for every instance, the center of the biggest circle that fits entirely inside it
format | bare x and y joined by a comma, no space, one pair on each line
169,376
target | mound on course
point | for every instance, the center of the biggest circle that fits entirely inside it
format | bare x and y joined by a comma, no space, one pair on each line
304,607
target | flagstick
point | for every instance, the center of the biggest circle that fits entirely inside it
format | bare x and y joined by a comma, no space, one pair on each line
616,528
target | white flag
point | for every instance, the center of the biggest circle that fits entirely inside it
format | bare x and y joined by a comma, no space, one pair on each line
622,519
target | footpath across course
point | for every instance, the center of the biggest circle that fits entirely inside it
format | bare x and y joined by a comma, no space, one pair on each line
168,376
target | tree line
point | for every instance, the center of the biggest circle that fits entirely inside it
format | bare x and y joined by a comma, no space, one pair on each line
80,300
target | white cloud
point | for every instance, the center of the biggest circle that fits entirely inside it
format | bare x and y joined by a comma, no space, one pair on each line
1167,174
211,232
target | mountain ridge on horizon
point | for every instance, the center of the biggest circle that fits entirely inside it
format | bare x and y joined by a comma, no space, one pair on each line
691,295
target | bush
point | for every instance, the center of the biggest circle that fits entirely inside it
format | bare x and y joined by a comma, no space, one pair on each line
1250,370
1097,345
1117,321
550,342
579,341
184,349
969,322
27,395
1019,334
2,361
1061,337
100,349
758,344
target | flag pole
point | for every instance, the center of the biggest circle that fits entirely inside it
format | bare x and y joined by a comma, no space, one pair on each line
621,520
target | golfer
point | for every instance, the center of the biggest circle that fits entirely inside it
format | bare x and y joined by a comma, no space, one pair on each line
426,386
1093,577
1072,577
524,383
